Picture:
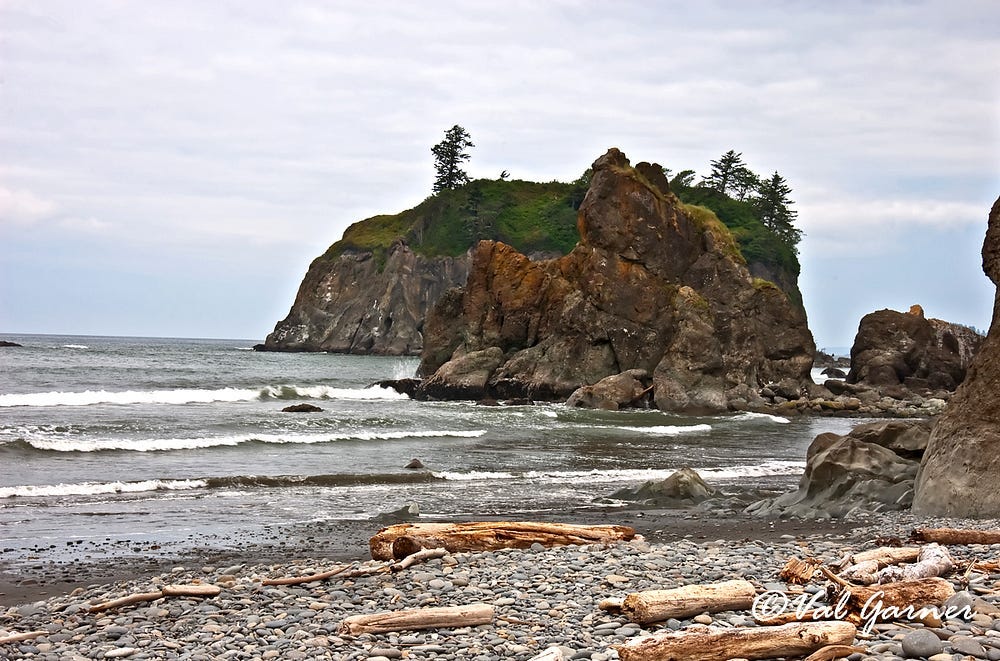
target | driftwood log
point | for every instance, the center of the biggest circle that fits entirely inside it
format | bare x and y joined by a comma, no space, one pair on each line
198,590
341,571
21,637
418,618
956,536
658,605
883,556
831,652
401,540
933,560
714,644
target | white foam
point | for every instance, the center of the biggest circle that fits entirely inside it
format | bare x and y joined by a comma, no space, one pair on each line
75,346
669,430
96,488
167,444
193,396
473,476
750,415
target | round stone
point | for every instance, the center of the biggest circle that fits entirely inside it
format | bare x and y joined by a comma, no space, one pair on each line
921,644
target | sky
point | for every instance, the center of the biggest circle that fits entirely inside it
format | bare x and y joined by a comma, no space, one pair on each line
171,168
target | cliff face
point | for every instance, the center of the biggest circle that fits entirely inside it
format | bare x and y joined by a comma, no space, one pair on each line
355,303
652,285
958,473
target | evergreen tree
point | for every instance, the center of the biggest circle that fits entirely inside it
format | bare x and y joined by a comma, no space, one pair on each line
683,179
449,154
725,171
745,183
772,205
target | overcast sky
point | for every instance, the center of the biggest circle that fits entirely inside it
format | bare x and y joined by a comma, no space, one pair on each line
171,168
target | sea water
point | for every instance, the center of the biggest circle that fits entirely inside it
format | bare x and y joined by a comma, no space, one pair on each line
169,438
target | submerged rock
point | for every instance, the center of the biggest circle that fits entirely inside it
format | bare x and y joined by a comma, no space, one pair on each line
685,487
958,473
301,408
652,285
7,343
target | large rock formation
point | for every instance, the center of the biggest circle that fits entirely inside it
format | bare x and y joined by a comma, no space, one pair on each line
358,303
906,349
652,285
871,469
963,456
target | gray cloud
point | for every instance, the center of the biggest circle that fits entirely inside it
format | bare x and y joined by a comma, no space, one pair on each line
256,124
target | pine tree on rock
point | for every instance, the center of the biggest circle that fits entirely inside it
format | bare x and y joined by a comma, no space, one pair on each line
449,154
725,171
773,207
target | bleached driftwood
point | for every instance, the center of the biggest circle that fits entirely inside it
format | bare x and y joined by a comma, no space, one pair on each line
21,637
863,573
933,560
883,556
297,580
418,618
611,604
403,539
551,654
341,571
956,536
658,605
715,644
195,590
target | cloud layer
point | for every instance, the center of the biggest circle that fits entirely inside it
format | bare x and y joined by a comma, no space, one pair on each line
182,135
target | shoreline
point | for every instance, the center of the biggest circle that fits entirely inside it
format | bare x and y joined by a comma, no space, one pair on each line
338,541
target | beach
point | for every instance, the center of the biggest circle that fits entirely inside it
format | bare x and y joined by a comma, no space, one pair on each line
541,597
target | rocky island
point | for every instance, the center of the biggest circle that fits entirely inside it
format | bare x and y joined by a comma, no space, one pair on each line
653,286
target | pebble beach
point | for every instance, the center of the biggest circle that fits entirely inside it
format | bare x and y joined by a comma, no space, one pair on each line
542,598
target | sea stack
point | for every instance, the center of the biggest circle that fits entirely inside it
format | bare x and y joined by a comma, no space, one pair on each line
652,285
957,474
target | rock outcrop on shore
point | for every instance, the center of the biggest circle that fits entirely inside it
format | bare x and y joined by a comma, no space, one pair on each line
905,352
871,469
963,457
355,303
652,285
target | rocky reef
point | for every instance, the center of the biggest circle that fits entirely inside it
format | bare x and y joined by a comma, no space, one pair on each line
366,302
963,455
652,285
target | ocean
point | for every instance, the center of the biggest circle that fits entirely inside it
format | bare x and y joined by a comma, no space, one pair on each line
117,438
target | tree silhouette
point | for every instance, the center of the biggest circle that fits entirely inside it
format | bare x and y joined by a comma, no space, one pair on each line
449,154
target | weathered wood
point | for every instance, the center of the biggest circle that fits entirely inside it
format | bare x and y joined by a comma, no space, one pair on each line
551,654
934,560
831,652
193,590
21,637
798,572
956,536
418,618
658,605
714,644
863,573
420,556
891,601
297,580
126,601
403,539
611,604
884,556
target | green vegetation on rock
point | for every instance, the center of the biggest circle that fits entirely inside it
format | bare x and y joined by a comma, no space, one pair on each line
531,217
